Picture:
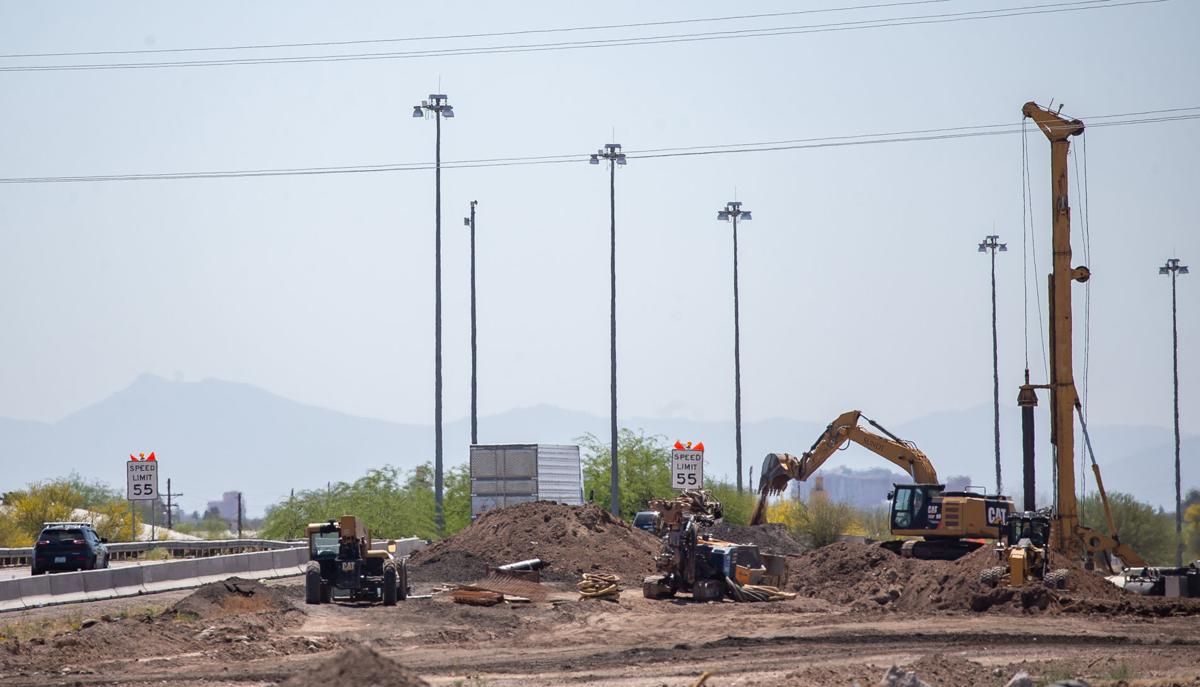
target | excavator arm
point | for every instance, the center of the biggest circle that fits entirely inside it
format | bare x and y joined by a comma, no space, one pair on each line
780,468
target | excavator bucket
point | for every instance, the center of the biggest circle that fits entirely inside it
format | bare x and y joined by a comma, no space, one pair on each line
777,471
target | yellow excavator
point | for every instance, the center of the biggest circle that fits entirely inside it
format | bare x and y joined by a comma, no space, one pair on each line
950,524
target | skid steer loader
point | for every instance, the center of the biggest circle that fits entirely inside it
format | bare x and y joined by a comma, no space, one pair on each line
343,567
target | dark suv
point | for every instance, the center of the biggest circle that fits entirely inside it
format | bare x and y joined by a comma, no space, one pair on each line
68,546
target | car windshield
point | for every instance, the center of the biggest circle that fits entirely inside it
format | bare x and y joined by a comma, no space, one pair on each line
61,535
643,518
325,545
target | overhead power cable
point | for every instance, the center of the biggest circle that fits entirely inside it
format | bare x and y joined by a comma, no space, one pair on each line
943,18
492,34
948,133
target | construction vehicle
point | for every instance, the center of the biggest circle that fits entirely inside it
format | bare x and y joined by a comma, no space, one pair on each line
950,524
1024,553
343,567
1068,535
708,569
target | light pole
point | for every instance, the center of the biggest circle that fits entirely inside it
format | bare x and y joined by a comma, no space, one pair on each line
992,244
732,213
612,153
1173,268
439,107
470,222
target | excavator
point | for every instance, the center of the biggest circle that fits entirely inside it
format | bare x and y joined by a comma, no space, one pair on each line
951,524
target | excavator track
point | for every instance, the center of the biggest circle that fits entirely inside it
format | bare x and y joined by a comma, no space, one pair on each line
932,550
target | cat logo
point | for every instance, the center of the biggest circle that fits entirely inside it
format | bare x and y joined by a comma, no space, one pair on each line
997,515
348,566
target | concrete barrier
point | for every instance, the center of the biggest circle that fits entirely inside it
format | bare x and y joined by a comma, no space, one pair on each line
91,585
35,591
126,581
10,596
98,584
67,587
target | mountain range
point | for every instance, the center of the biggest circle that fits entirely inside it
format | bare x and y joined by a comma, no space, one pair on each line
214,436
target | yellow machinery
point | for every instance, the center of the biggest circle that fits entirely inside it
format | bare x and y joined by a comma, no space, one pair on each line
1067,535
343,566
1024,553
948,522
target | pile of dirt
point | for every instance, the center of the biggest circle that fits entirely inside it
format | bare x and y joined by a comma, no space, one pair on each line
770,538
357,665
571,540
868,576
232,596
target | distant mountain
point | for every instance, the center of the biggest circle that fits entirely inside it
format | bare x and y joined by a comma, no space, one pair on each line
214,436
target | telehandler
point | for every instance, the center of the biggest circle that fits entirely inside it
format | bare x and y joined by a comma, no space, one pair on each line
343,567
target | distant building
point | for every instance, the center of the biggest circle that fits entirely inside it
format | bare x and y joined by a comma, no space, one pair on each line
227,507
863,488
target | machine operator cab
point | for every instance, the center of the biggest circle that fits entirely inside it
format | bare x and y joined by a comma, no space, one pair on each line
1031,526
914,506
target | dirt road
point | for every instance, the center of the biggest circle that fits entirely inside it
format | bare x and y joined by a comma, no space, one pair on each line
634,643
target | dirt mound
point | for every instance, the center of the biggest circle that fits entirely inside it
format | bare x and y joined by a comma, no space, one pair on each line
571,539
868,576
771,538
229,597
357,665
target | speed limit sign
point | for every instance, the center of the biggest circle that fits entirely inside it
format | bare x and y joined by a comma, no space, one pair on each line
687,466
141,478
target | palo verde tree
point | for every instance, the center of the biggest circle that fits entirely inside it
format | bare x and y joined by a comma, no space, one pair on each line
644,464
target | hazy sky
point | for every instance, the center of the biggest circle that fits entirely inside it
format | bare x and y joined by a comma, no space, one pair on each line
861,284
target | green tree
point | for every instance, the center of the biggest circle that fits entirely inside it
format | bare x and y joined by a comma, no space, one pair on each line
643,464
1150,532
737,507
40,503
457,484
826,520
1191,525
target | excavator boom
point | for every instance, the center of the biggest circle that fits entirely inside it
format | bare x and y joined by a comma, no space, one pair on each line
780,468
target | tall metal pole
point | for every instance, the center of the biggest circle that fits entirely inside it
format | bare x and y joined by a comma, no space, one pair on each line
611,152
612,215
474,349
1174,268
733,212
438,105
991,244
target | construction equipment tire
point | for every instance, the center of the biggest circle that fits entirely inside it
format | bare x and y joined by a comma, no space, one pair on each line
1056,579
708,590
990,577
390,584
313,585
402,586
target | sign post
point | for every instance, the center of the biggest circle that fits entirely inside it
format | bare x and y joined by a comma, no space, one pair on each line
687,466
141,483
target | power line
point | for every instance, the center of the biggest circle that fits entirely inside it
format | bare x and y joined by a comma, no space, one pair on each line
949,133
459,36
943,18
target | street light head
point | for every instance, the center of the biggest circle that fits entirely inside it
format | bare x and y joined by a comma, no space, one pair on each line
418,112
983,247
745,215
1164,270
447,111
723,215
594,160
1004,248
466,221
1183,269
621,159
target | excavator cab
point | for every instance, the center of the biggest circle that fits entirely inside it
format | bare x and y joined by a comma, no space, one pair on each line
913,505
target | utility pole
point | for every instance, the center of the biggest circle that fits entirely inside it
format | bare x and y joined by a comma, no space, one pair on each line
732,212
991,244
438,105
1173,268
470,222
170,511
239,515
612,153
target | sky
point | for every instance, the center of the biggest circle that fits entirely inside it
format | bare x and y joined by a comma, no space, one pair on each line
861,285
